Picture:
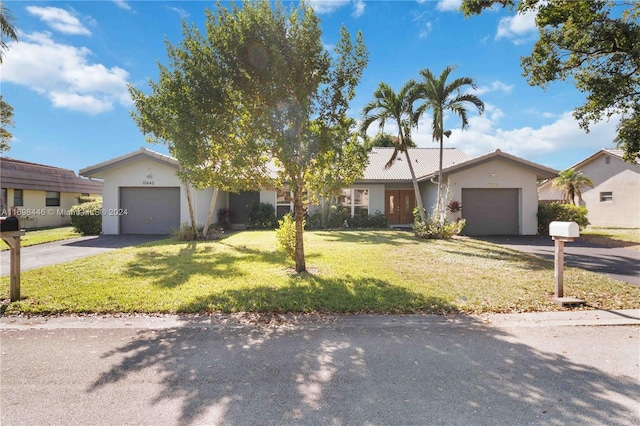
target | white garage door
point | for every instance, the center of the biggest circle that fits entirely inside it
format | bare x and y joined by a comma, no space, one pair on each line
491,211
149,210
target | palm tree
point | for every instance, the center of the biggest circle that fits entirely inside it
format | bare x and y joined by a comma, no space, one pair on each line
7,29
441,97
388,105
571,183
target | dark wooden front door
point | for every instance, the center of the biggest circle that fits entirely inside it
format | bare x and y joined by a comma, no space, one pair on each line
241,205
399,205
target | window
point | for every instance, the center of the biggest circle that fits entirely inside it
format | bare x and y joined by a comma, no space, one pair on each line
357,200
606,197
17,198
283,203
607,160
3,202
53,199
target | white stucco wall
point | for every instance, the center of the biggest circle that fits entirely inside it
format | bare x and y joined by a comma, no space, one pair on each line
623,181
500,173
202,203
133,174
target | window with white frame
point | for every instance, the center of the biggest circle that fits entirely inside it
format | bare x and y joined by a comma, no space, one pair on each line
52,199
606,197
356,200
284,203
17,198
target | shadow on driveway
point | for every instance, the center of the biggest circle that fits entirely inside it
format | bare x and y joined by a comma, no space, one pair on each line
621,264
48,254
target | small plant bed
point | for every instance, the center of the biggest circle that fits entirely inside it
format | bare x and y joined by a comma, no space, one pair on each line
42,236
350,271
613,237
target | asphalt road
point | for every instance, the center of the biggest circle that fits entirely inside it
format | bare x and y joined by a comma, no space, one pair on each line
41,255
621,264
376,370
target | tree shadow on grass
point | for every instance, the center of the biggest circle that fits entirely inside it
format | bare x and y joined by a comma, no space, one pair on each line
363,370
374,236
175,268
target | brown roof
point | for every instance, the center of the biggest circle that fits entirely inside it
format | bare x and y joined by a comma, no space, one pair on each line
18,174
425,161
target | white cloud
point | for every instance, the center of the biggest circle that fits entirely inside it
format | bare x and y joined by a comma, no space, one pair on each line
496,86
485,135
65,74
519,28
358,8
448,5
426,30
122,4
328,6
180,11
59,19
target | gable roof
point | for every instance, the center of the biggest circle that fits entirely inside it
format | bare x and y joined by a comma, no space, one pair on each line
143,153
18,174
425,161
542,172
604,151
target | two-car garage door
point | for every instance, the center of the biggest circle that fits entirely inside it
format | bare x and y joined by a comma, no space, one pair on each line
149,210
491,211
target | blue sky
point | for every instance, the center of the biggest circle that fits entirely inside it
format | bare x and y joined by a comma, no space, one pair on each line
67,77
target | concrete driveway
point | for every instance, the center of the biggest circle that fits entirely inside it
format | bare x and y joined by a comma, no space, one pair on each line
41,255
621,264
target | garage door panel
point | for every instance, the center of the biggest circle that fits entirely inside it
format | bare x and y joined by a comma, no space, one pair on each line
491,211
149,210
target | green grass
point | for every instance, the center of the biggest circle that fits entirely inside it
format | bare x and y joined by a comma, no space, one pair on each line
42,236
619,237
350,272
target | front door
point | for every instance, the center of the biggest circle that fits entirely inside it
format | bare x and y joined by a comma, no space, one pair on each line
399,205
241,205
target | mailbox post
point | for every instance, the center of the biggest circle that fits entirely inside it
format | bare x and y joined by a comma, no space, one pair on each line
562,232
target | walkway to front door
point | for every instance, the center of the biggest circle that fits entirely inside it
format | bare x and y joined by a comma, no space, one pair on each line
399,205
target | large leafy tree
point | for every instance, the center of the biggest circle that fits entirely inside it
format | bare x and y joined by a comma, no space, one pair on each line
442,97
594,43
572,184
275,93
385,140
7,31
387,105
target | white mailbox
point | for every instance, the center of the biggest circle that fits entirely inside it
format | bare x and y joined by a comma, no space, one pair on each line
564,230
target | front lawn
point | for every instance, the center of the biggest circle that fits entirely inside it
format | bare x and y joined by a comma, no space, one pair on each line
613,237
31,238
350,272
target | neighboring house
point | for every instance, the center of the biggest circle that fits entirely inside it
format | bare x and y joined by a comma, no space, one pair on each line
41,195
614,199
497,191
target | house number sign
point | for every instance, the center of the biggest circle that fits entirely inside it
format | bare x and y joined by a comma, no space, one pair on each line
148,182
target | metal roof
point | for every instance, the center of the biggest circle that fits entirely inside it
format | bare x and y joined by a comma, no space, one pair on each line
18,174
425,162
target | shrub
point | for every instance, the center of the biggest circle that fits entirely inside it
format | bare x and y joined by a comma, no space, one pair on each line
286,235
86,218
548,212
434,228
262,216
377,220
224,217
87,199
185,232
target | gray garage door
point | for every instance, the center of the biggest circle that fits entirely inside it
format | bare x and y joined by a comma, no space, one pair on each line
149,210
490,211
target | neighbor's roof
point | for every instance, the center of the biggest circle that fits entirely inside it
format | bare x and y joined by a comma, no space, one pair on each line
615,152
542,172
97,169
425,161
18,174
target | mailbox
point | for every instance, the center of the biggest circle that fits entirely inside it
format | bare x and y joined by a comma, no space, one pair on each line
8,224
564,230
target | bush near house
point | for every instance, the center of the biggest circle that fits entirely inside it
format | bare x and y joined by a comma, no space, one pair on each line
86,218
436,228
286,235
224,217
262,216
341,218
549,212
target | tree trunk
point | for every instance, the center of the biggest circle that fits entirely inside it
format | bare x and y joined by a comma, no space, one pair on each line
439,207
192,215
299,216
416,188
212,208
